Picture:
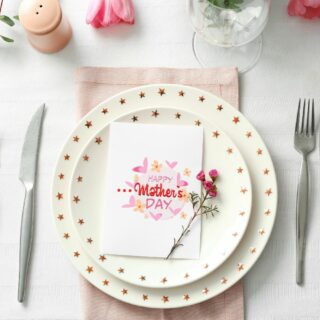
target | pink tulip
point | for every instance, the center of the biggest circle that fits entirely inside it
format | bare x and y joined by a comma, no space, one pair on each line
201,176
104,13
308,9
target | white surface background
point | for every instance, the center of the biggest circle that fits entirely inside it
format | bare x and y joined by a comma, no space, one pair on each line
288,69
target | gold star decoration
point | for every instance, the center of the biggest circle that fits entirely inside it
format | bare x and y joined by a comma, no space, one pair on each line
164,280
186,276
124,291
243,190
79,179
240,266
240,170
268,192
224,280
85,157
89,269
183,215
122,101
66,157
59,196
134,118
76,199
236,120
60,217
105,282
142,94
81,222
66,235
98,140
145,297
259,152
267,212
165,299
242,213
205,291
178,115
229,150
61,176
142,278
161,91
104,110
155,113
120,270
202,98
220,107
181,93
76,254
89,240
253,250
88,124
102,257
197,123
215,134
76,139
205,266
186,297
262,231
187,172
266,171
248,134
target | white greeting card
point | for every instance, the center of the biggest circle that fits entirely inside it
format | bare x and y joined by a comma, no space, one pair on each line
150,171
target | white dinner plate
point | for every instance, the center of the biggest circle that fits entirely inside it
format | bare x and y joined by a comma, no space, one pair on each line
220,234
254,152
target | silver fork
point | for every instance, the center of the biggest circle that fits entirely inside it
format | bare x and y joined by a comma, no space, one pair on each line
304,143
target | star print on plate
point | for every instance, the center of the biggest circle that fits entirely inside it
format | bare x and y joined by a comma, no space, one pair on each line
146,189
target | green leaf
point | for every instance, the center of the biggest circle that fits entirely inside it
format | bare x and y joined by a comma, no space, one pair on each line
16,18
7,20
6,39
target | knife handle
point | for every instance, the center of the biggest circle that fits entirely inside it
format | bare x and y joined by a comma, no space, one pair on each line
26,236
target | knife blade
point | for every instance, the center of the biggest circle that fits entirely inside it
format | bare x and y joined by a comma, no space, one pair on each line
28,175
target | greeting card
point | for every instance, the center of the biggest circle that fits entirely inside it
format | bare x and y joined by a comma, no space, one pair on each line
150,173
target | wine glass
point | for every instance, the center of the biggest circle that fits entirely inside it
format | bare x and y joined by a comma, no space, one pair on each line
228,32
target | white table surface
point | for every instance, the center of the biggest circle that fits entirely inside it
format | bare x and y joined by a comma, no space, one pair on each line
288,69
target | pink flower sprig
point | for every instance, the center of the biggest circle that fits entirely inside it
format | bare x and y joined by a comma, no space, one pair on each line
104,13
308,9
200,204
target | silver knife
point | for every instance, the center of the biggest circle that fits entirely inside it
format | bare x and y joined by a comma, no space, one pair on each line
28,173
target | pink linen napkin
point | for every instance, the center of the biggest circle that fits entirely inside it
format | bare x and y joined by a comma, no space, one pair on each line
97,84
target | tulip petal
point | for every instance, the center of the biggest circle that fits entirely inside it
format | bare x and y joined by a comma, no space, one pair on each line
124,10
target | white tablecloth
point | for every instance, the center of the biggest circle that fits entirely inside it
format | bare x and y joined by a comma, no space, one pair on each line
288,69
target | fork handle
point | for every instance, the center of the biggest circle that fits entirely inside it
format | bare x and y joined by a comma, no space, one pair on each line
301,219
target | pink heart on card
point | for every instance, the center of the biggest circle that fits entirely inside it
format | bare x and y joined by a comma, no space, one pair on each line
156,216
132,203
171,164
143,168
180,182
175,211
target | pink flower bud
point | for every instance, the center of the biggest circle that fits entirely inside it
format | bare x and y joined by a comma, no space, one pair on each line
213,173
201,176
208,185
213,193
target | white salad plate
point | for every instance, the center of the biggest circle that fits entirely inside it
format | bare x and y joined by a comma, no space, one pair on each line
243,135
220,234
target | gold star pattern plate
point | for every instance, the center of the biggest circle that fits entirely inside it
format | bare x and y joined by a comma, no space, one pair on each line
218,240
264,192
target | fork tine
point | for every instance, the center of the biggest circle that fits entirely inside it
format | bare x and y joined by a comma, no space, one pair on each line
298,117
307,126
303,112
312,118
